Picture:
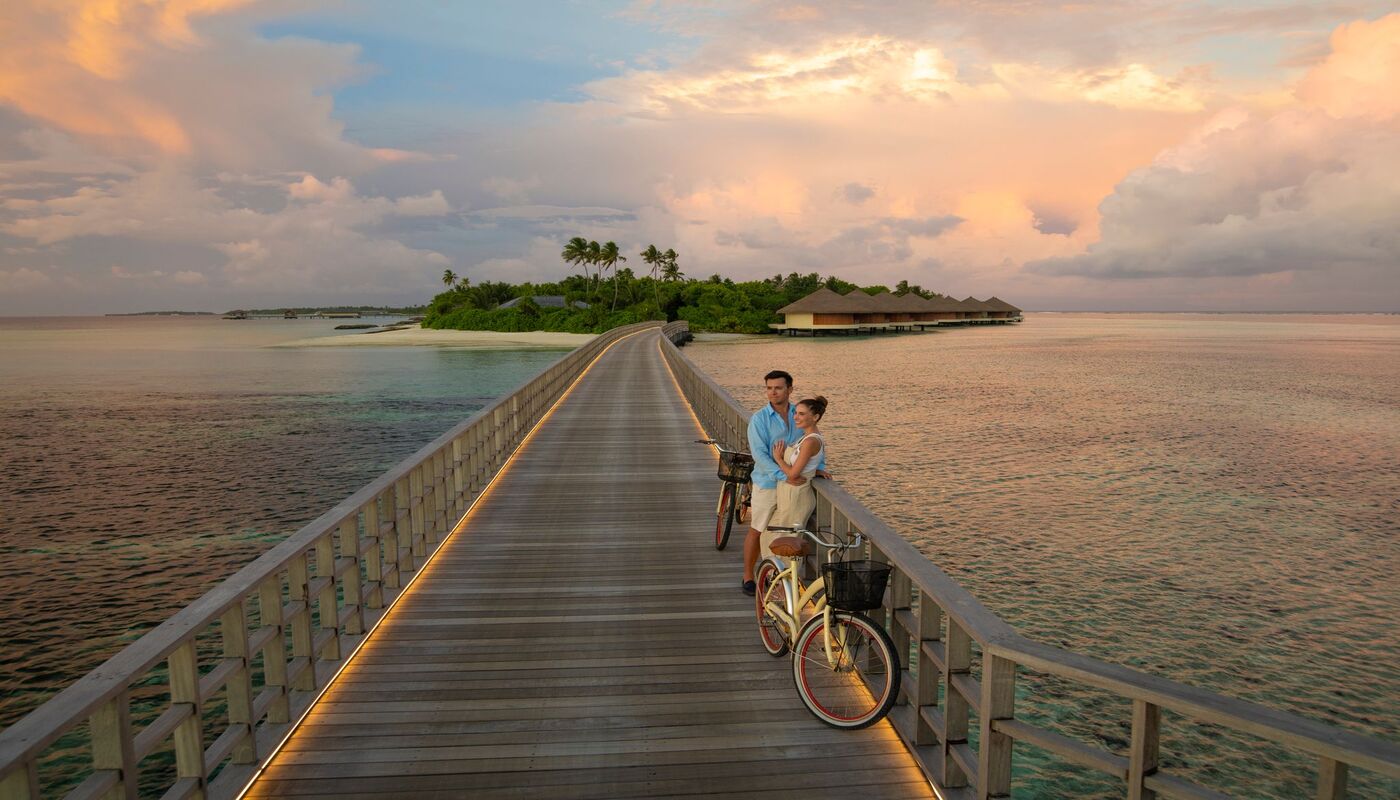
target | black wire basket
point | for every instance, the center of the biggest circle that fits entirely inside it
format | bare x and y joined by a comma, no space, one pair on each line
855,585
735,467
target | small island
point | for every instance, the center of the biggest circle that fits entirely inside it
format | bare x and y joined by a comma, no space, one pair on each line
604,294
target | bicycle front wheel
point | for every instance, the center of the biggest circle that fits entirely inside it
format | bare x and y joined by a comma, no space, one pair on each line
856,683
768,589
724,516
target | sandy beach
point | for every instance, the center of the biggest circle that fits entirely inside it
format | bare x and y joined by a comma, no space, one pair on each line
421,337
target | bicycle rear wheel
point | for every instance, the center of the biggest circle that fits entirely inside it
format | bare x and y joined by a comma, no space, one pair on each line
769,590
858,685
724,516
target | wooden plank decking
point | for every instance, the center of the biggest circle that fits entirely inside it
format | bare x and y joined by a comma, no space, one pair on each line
580,637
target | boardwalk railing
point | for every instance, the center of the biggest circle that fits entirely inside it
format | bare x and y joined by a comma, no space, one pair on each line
224,680
943,631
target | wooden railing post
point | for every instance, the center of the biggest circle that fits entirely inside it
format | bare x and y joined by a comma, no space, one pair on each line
21,783
403,528
901,598
300,623
112,747
1331,779
274,653
350,588
417,513
459,483
326,605
374,560
926,692
517,421
955,707
441,506
993,747
497,440
478,442
417,527
1142,756
189,734
233,629
388,509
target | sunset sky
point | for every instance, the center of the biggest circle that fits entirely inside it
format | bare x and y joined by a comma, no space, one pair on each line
1117,155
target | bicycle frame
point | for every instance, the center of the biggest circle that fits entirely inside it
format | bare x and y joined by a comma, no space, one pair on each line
797,599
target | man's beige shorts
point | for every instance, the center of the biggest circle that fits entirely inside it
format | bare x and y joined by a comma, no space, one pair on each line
764,503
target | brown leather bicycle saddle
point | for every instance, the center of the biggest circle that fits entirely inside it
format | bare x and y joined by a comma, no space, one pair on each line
788,546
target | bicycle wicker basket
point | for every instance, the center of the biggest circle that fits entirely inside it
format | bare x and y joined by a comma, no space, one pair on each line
855,585
735,467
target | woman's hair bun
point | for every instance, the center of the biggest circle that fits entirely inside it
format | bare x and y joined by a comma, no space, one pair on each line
816,404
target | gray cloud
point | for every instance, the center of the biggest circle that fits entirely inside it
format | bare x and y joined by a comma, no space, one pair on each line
1048,221
927,227
855,193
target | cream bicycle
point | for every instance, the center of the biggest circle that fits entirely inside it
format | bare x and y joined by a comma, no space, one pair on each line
843,662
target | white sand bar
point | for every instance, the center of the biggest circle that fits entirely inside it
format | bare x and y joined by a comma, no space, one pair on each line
424,337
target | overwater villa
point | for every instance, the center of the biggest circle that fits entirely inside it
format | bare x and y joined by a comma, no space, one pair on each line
823,310
1000,309
826,311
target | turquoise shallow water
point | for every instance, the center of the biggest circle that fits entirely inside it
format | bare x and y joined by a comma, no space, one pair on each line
1210,498
144,459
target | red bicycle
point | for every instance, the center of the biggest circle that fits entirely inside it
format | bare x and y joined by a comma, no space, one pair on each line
735,467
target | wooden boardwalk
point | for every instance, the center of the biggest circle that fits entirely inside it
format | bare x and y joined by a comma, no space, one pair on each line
580,637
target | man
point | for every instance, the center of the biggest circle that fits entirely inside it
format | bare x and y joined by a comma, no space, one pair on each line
769,425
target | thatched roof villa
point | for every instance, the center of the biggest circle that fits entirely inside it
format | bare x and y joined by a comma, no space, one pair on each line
823,310
826,311
1000,309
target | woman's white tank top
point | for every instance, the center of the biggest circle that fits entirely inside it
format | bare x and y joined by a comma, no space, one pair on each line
791,455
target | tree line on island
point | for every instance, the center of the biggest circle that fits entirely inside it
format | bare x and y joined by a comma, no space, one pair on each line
608,294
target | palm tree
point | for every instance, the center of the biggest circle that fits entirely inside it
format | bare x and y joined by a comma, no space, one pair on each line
595,255
576,253
669,270
448,277
654,257
608,256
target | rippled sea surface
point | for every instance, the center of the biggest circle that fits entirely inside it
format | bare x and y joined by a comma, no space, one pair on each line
1214,499
144,459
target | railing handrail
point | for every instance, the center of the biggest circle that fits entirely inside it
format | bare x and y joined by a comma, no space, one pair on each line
27,738
995,634
1000,640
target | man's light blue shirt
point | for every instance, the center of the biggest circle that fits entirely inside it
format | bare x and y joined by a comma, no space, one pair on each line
766,428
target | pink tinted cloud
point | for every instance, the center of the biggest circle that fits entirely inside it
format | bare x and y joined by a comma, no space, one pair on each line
1311,192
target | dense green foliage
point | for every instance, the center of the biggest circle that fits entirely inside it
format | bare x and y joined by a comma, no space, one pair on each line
714,304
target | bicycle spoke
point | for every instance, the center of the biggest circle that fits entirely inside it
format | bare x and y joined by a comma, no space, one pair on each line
835,686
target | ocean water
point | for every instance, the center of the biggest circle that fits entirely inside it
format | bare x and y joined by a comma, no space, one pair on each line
1210,498
144,459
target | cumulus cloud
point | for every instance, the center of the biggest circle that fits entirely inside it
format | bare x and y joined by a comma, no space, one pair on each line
316,239
181,78
1314,188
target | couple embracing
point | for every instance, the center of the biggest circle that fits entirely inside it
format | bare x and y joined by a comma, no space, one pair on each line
788,452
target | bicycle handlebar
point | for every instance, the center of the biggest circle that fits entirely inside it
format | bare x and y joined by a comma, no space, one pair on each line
816,539
720,447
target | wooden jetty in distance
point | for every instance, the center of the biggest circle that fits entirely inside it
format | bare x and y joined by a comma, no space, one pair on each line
530,606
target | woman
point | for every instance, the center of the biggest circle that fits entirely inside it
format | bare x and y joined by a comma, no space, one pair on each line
797,501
